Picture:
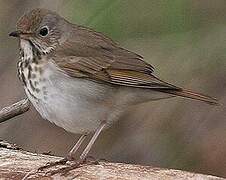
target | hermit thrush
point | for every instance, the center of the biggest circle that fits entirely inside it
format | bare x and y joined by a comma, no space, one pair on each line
80,79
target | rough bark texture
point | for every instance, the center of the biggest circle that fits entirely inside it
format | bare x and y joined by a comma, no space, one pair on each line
14,110
16,164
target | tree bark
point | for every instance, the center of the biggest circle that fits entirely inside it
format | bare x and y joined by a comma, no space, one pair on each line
16,164
14,110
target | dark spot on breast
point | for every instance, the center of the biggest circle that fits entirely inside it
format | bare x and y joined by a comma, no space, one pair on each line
36,69
26,63
37,54
40,70
31,84
33,88
37,90
33,76
35,60
29,71
35,83
21,53
31,93
23,79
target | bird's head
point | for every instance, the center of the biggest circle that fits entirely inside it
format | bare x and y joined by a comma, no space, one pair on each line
43,28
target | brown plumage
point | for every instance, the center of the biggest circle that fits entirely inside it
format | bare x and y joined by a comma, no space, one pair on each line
96,57
88,54
80,79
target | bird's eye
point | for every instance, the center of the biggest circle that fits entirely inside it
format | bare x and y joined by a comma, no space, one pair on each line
44,31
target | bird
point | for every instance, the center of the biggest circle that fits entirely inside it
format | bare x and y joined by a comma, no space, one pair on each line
80,79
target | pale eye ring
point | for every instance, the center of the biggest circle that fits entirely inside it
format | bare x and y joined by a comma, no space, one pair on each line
44,31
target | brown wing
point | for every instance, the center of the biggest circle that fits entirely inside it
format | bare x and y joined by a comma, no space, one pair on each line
89,54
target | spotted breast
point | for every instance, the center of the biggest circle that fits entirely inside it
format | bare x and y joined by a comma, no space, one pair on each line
30,68
59,98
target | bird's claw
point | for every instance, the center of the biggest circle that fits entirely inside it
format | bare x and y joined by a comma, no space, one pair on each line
70,166
52,164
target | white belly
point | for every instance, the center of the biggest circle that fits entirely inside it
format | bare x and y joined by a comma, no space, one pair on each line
77,105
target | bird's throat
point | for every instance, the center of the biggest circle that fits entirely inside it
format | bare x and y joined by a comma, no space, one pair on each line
30,68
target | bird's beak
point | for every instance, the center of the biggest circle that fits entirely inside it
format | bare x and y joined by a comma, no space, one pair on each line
20,34
15,33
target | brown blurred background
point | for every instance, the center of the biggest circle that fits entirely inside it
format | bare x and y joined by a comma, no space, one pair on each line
185,40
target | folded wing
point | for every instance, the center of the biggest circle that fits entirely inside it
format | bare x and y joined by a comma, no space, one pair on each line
89,54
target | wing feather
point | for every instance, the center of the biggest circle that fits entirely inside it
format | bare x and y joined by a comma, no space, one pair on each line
89,54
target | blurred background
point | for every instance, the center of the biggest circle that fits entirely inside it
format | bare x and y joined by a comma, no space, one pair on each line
184,40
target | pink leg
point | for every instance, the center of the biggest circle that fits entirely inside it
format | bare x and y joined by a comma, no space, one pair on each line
92,141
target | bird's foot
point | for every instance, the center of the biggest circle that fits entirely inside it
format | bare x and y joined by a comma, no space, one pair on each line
73,165
49,165
91,160
52,164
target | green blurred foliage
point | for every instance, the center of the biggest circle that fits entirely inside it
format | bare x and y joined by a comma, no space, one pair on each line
176,24
123,19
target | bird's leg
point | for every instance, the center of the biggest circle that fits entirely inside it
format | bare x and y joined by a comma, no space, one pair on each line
69,157
76,147
84,154
92,141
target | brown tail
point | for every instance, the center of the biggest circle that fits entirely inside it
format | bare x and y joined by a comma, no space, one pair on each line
192,95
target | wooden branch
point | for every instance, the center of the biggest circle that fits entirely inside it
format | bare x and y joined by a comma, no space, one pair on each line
14,110
15,164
